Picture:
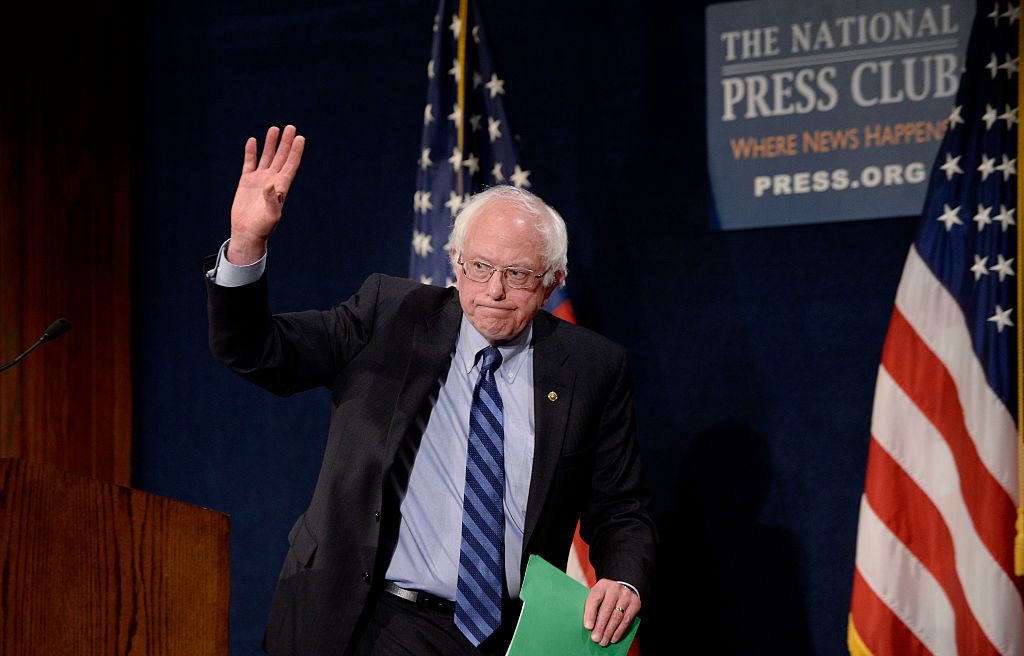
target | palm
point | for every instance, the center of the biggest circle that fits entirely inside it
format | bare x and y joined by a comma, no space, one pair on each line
264,185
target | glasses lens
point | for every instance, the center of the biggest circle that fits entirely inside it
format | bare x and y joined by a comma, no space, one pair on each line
519,278
478,271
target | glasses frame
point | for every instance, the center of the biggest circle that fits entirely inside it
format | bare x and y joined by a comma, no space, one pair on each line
504,274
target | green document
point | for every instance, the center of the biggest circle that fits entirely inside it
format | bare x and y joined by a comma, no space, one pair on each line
552,618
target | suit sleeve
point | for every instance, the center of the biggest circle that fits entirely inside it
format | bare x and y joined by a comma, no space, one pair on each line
616,522
292,352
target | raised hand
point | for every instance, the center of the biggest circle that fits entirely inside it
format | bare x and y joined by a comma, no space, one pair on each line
261,193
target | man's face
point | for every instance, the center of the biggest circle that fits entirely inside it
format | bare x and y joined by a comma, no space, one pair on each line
500,236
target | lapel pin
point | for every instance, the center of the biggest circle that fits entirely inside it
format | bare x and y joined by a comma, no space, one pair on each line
552,396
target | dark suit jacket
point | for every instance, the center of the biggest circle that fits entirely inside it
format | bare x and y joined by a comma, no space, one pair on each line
382,353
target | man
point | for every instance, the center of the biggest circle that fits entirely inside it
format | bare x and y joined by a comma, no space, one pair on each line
468,431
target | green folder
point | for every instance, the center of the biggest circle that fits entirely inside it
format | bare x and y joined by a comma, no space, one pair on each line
552,618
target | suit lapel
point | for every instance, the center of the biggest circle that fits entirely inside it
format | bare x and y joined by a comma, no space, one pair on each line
432,345
552,400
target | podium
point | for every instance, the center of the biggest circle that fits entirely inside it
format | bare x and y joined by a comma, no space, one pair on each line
88,567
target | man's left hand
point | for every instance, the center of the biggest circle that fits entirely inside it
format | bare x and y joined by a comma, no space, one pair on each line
609,611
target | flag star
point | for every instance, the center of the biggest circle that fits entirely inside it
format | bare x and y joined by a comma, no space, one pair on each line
448,246
983,217
1013,13
456,158
949,216
1003,267
476,34
954,117
456,70
426,280
477,79
1008,167
456,115
521,178
1005,216
449,282
421,202
474,122
454,203
494,128
472,163
421,243
455,26
496,85
987,166
1001,318
428,114
1010,116
496,172
425,160
952,166
993,66
979,267
437,21
1010,65
995,15
989,116
430,69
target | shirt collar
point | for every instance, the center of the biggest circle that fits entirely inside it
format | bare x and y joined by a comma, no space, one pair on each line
513,353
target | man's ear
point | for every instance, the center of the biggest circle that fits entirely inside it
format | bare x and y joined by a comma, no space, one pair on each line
559,279
454,259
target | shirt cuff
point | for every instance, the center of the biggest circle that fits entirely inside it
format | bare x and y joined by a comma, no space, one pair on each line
226,274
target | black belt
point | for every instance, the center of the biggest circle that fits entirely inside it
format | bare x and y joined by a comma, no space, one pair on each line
421,598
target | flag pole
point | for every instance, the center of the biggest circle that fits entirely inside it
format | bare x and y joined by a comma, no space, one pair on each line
463,28
1018,542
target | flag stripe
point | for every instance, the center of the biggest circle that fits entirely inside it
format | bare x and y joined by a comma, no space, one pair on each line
938,320
880,630
925,380
903,584
917,523
899,427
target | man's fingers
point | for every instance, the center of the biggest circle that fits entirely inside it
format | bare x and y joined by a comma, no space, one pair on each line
607,621
249,160
269,146
291,165
627,619
281,156
590,608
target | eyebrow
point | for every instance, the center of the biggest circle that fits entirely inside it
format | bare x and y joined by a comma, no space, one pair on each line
467,258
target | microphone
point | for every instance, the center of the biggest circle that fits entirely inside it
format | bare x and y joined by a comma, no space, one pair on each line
56,329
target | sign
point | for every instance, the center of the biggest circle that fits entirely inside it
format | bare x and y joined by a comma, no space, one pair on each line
829,111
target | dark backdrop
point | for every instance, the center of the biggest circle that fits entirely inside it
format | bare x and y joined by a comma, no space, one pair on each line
754,353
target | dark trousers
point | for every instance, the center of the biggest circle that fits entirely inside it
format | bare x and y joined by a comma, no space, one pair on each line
399,627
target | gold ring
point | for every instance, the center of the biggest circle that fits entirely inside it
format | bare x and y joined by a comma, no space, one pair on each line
621,609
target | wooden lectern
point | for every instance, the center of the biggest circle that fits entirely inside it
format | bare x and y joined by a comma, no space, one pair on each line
88,567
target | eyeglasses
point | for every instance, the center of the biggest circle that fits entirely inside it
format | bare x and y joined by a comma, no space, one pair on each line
515,277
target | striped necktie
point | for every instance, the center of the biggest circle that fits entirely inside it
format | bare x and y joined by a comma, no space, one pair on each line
482,556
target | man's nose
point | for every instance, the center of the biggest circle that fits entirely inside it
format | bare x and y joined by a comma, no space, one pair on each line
496,285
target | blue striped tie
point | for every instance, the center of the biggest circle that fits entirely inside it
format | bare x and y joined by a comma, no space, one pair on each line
482,556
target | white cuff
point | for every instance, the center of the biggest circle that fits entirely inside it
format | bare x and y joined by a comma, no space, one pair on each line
226,274
627,585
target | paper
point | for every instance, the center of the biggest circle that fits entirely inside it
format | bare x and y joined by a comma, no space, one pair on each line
552,618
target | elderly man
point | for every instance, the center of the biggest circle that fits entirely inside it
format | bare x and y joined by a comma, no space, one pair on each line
469,429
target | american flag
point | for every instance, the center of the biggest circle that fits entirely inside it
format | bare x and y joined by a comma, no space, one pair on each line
934,567
467,142
467,146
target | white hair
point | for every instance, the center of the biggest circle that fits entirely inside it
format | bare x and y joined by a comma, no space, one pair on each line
547,221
